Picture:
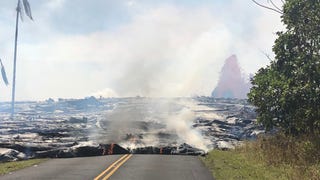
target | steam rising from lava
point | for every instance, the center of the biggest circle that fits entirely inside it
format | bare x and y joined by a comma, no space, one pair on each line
181,123
142,122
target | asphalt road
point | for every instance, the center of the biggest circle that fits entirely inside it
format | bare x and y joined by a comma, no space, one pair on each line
117,167
162,167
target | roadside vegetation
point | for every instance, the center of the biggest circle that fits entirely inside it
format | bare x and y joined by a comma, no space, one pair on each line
269,157
286,95
7,167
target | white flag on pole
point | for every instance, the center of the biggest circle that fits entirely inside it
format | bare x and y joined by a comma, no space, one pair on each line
26,7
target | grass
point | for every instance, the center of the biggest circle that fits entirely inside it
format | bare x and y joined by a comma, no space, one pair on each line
13,166
272,157
234,165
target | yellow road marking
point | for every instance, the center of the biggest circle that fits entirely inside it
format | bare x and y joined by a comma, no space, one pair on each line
117,167
111,166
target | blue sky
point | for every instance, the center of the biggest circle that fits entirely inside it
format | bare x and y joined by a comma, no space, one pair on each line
78,48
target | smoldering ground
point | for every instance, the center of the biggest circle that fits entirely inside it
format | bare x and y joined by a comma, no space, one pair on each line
86,127
142,122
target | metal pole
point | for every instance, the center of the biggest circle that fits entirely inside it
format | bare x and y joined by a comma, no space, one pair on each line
15,62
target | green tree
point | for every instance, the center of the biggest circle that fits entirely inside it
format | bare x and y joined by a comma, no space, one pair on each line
287,92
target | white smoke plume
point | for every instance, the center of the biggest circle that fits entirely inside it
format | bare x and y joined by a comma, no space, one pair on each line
141,122
181,123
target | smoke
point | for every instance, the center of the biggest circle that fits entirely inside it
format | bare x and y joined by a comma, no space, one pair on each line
159,48
122,121
169,52
140,122
105,93
181,123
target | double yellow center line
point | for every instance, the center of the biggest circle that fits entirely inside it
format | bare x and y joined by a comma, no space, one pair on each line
106,174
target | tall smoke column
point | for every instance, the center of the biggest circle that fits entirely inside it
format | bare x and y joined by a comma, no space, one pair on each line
232,83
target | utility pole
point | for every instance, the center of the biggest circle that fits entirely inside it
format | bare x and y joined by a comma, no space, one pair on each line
26,7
